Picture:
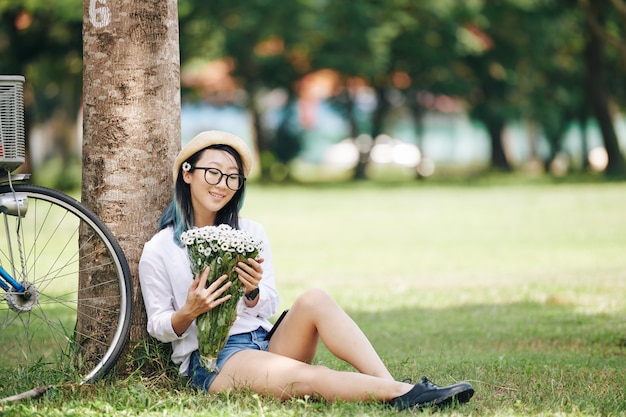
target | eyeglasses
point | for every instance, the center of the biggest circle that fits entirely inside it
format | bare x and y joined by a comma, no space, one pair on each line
213,176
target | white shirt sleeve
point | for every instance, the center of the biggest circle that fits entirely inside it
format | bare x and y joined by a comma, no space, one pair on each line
165,276
157,286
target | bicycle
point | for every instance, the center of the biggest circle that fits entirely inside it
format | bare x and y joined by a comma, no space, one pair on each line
65,286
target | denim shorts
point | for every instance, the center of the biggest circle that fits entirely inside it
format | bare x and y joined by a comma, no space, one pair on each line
202,379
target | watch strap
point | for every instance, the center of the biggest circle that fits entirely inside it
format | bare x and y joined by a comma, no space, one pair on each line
252,294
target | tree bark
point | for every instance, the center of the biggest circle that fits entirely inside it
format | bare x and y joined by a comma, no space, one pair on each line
131,128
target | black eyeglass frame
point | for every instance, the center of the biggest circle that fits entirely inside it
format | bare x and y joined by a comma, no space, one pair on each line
229,177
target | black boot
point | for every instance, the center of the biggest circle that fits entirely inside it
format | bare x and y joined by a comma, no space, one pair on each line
425,394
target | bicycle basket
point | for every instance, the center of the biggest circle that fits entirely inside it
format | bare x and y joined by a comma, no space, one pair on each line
12,149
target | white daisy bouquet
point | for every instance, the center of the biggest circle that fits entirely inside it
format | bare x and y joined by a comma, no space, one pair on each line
219,248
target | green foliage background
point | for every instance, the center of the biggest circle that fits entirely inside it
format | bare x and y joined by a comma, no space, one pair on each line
508,60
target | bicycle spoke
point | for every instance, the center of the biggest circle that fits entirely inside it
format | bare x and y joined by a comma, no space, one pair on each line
76,312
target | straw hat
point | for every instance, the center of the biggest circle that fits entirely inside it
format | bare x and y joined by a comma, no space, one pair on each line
214,137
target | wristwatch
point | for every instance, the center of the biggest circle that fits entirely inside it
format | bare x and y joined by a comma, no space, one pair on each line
252,294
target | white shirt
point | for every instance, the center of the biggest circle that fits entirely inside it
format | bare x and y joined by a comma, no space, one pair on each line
165,276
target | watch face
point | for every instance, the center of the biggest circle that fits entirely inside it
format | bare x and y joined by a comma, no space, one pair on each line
252,294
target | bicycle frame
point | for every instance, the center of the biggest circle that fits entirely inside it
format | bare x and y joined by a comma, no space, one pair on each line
13,178
15,205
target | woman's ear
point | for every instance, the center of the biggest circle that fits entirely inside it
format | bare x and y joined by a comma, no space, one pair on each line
186,170
187,177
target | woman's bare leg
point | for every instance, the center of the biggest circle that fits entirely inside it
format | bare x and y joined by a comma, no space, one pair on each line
316,315
269,373
284,370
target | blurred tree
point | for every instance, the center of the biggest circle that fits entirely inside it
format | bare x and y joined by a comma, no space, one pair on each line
131,122
425,63
601,32
550,73
613,32
355,40
521,59
493,38
267,46
41,40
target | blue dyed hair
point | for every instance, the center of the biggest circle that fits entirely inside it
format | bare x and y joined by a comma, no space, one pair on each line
179,213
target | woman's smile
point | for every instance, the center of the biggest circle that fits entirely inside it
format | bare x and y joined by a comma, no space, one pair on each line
216,195
207,198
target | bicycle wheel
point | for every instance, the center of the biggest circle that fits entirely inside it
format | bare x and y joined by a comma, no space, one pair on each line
76,320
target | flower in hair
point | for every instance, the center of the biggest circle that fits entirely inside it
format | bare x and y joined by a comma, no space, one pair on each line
186,166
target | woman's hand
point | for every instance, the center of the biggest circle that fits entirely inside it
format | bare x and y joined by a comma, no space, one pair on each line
250,274
200,300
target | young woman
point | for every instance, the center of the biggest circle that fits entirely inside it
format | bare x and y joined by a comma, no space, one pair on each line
210,175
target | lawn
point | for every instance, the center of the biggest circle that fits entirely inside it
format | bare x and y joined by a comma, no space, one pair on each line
518,288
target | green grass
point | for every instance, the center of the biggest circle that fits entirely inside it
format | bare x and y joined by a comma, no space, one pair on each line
518,288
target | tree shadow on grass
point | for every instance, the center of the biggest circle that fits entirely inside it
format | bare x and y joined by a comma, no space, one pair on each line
529,357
